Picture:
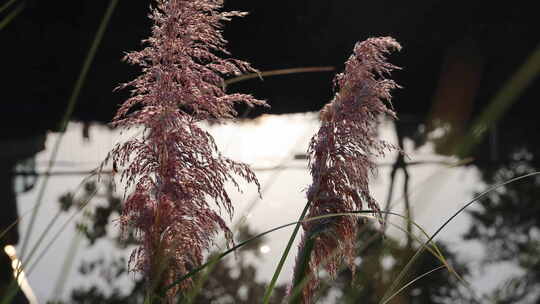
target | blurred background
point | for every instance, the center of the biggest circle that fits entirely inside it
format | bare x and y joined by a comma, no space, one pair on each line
467,122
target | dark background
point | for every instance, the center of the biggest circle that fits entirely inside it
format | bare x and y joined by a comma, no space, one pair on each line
456,57
43,49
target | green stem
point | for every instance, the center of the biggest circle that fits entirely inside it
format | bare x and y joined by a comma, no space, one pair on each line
65,119
301,268
11,15
504,98
272,284
278,72
412,282
199,284
66,266
6,5
87,63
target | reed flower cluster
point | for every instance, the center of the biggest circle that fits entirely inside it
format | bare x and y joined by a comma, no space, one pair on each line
341,160
175,176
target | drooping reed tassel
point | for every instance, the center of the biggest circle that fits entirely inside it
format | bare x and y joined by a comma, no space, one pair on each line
341,160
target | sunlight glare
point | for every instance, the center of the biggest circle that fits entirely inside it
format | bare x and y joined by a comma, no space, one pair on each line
264,249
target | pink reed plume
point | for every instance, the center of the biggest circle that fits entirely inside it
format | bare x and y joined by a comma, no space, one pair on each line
340,157
174,171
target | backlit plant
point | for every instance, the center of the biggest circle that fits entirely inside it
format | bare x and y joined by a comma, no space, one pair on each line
174,172
341,158
174,169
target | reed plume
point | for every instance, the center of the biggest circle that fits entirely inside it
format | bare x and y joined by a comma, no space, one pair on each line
174,173
341,160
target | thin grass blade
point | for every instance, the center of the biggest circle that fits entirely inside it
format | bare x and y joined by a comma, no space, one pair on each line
71,105
421,249
11,15
412,282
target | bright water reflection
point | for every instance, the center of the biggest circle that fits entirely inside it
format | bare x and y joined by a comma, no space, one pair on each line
274,146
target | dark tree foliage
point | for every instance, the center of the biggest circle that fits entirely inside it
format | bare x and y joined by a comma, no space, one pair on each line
379,261
508,224
234,280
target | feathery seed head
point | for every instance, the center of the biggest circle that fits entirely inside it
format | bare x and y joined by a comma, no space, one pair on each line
176,169
341,156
